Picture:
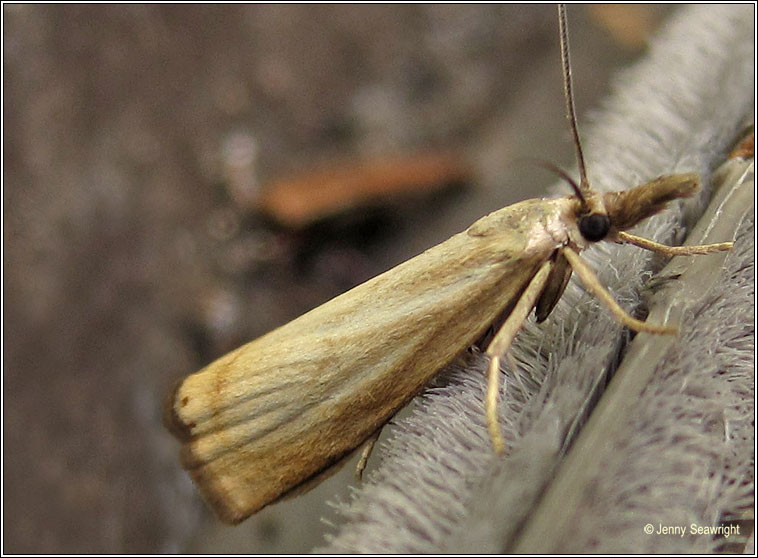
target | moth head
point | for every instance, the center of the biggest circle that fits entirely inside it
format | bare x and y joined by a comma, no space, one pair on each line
592,218
599,215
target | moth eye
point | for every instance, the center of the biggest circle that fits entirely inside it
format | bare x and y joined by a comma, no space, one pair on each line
595,226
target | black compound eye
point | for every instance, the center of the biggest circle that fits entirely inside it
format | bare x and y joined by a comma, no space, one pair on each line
595,226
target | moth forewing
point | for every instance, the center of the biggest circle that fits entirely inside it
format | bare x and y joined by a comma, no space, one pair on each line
269,416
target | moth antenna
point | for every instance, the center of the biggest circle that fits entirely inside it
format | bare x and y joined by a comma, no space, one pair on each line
569,94
563,174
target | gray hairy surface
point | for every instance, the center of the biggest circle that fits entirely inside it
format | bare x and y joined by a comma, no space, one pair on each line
687,453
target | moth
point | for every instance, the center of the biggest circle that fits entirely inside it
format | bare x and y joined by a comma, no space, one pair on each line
271,418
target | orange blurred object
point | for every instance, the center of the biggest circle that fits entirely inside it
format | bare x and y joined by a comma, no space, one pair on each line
746,148
336,187
629,24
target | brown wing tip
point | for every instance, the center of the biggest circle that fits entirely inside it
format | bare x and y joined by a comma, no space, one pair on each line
228,500
224,512
171,419
223,499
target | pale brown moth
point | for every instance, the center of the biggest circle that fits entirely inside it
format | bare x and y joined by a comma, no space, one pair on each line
272,417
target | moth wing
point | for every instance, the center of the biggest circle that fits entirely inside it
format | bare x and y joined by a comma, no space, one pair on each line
556,284
267,417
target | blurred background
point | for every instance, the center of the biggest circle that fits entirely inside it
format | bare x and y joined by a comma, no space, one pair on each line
179,180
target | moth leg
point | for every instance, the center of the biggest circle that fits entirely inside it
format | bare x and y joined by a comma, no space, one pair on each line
674,250
592,283
368,447
500,344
